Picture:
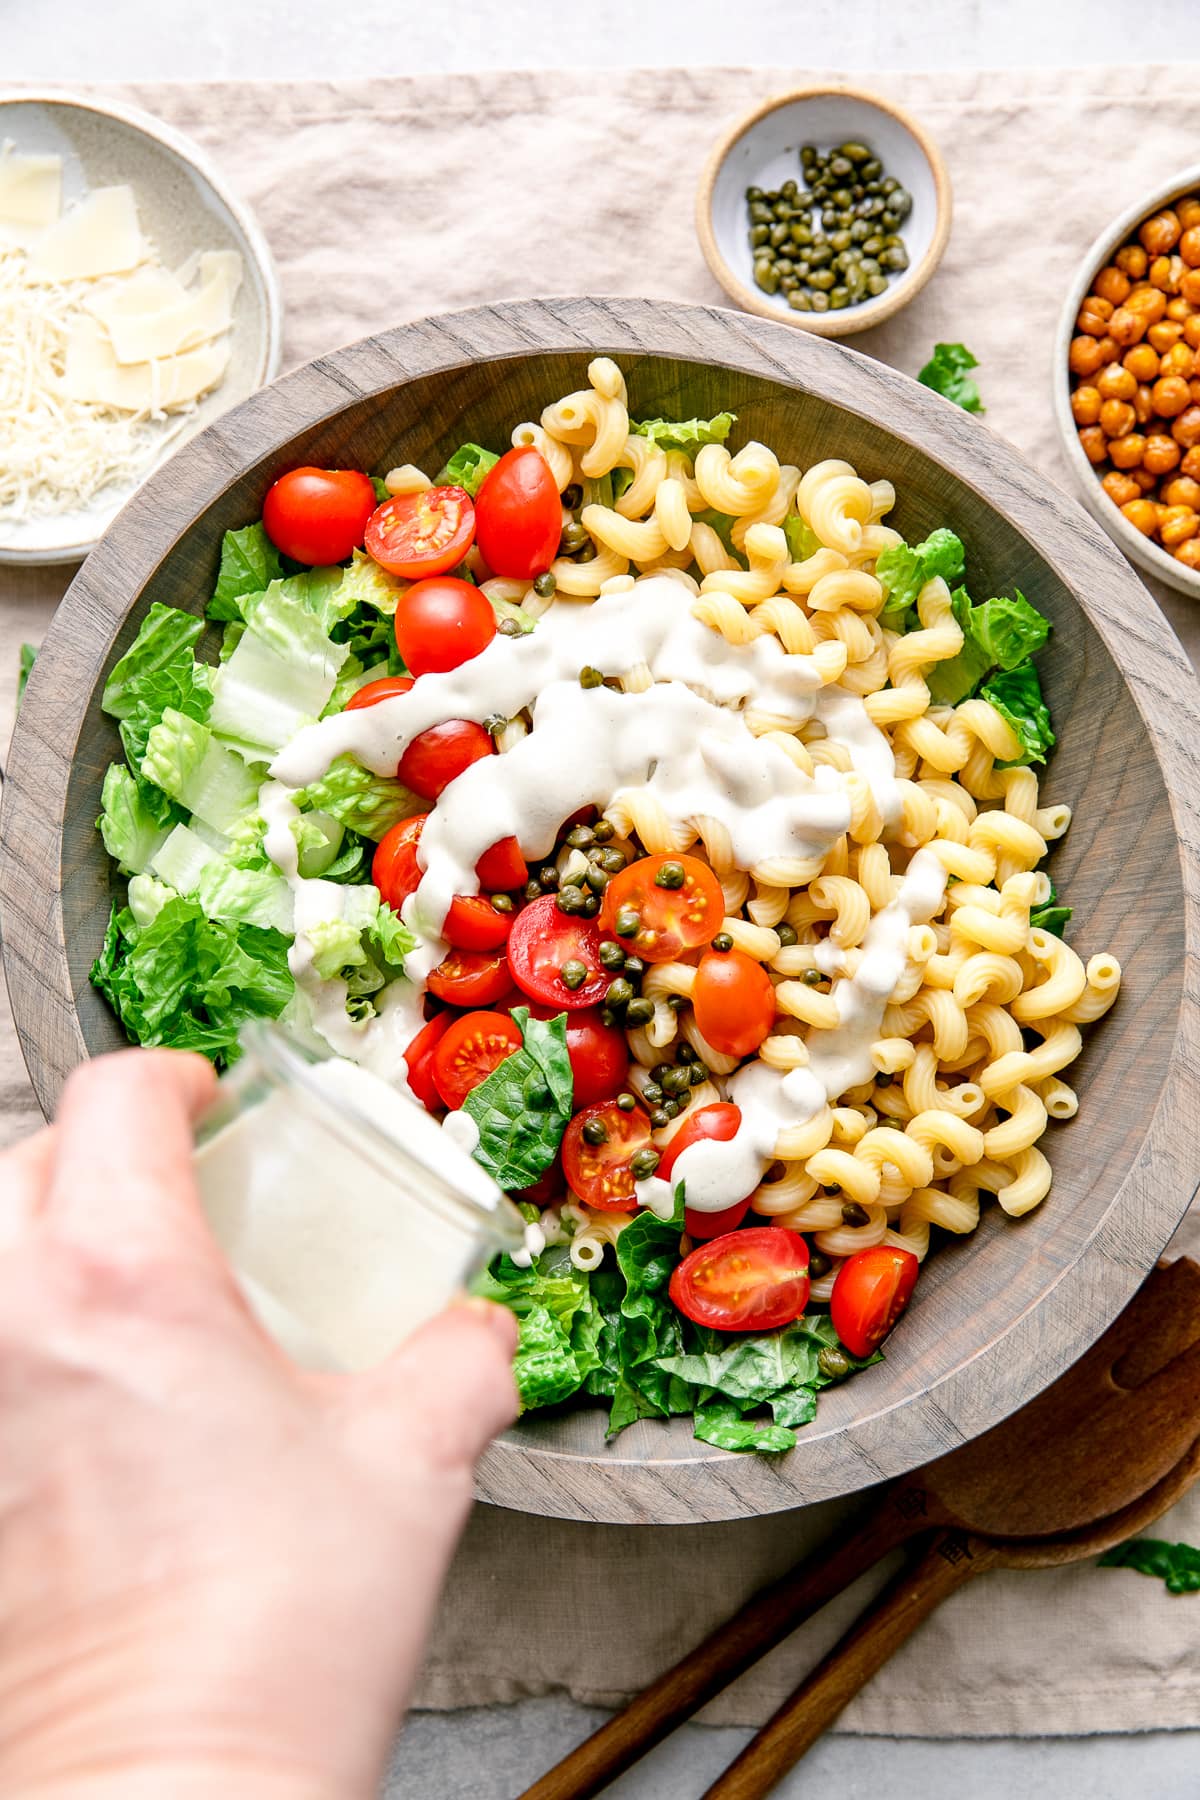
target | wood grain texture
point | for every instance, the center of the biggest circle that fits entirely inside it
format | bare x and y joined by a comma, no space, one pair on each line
999,1314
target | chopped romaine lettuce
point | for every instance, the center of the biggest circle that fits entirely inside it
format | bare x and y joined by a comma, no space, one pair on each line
523,1106
166,635
365,583
147,897
802,540
186,761
25,662
687,435
1016,695
318,838
997,634
904,570
467,468
1052,916
249,563
280,675
132,830
367,803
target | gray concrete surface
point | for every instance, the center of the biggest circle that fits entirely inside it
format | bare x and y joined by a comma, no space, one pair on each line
491,1753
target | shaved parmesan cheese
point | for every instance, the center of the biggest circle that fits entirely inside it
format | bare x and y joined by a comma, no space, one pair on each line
162,330
100,235
154,386
149,289
30,194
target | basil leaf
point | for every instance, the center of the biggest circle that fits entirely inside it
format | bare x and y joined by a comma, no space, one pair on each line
946,374
1177,1565
523,1107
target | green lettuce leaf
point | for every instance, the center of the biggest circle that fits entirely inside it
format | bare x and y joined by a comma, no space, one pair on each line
189,982
364,583
946,374
283,669
1052,916
559,1321
147,897
523,1107
802,540
186,761
25,662
997,634
720,1423
249,563
687,435
467,468
166,639
390,938
1177,1565
1017,696
904,570
365,803
132,829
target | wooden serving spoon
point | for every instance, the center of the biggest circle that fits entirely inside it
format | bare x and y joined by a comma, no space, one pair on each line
1047,1472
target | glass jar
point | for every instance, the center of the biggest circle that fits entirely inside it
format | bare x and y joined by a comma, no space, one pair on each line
348,1215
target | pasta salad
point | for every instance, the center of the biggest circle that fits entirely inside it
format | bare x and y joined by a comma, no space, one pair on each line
661,821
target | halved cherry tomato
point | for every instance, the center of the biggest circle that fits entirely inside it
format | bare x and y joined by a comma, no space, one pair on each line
719,1121
437,756
419,1057
474,1046
415,535
542,939
471,977
518,515
672,918
375,691
733,1001
474,924
502,867
394,867
318,515
870,1291
442,623
600,1173
745,1281
599,1053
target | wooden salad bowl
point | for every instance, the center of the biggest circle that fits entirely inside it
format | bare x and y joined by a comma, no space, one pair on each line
998,1314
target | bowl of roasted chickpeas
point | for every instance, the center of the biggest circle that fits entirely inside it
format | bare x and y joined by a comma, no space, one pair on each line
1127,382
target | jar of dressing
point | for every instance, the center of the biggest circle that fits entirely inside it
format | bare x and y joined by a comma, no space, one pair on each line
348,1215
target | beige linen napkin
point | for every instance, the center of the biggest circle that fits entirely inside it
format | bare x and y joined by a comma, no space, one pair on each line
388,199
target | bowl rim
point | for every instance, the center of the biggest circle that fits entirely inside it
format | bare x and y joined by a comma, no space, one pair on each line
1141,550
855,318
270,355
680,1485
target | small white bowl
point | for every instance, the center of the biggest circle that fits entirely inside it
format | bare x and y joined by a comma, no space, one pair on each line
183,205
763,150
1148,555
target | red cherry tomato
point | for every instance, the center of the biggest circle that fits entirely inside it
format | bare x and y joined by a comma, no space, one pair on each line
720,1121
434,758
733,1001
745,1281
318,515
474,924
394,867
870,1291
542,939
518,515
600,1173
419,1057
375,691
672,919
598,1052
502,867
415,535
441,623
474,1046
471,977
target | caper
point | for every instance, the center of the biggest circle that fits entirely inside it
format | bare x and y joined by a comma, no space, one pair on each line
819,257
660,1071
758,235
901,203
830,1187
821,279
799,301
670,875
677,1081
892,239
573,973
895,258
808,153
888,185
801,235
856,283
766,277
659,1116
779,234
611,955
820,302
652,1094
871,209
603,831
608,1016
859,231
754,193
628,922
873,245
574,537
842,198
635,968
789,284
855,152
883,1078
697,1073
839,297
876,285
888,219
783,212
619,992
570,899
673,1108
789,190
854,1214
722,941
591,905
493,723
509,628
547,878
503,903
812,978
580,837
639,1012
784,266
761,214
595,1131
819,1264
786,934
874,187
627,1102
572,496
858,190
532,890
832,1363
643,1163
590,678
544,584
597,878
871,169
869,265
829,218
840,240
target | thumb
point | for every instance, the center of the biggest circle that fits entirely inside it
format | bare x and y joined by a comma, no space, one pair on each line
449,1389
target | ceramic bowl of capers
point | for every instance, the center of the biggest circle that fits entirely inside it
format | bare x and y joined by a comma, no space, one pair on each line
828,208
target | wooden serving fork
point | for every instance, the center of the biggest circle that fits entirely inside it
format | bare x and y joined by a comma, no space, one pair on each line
1046,1474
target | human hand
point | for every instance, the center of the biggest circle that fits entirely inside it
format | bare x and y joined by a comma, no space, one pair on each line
217,1570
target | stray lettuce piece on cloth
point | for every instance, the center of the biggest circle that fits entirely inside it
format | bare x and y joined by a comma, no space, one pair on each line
904,570
249,563
688,435
523,1106
468,468
946,374
1016,695
1176,1565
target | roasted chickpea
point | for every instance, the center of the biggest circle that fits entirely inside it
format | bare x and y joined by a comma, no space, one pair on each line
1177,524
1117,418
1110,350
1143,405
1191,331
1146,482
1191,459
1182,491
1132,260
1189,248
1179,309
1161,454
1170,396
1127,452
1115,383
1179,360
1189,287
1159,274
1127,326
1094,444
1188,553
1121,489
1194,389
1084,355
1111,284
1142,515
1142,362
1150,302
1160,233
1085,405
1163,333
1094,315
1188,211
1186,431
